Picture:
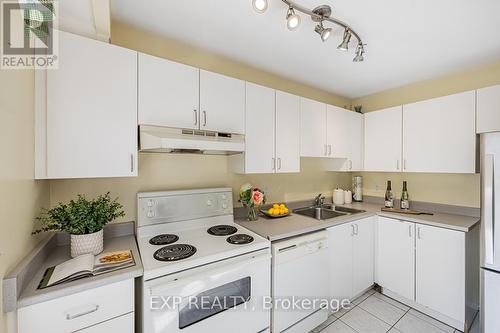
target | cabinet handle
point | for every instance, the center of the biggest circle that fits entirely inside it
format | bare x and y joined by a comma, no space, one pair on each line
404,164
329,150
279,163
81,314
350,164
357,229
326,149
204,118
409,230
418,233
195,117
274,163
131,162
352,230
397,168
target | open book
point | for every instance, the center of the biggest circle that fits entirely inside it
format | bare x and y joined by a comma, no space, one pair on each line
86,265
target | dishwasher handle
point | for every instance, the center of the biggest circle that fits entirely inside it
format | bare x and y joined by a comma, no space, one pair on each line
295,251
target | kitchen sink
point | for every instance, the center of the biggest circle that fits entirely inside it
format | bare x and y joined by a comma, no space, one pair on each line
326,212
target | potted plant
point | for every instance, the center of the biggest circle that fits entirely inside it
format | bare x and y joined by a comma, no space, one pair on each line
251,198
84,220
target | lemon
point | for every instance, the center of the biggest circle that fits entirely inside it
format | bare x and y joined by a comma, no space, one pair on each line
286,210
282,211
276,206
270,211
282,206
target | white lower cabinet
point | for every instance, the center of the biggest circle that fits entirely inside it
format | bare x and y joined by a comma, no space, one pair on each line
395,264
122,324
104,309
440,278
351,247
425,267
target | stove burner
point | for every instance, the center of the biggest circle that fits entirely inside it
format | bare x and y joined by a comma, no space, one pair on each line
222,230
163,239
240,239
174,252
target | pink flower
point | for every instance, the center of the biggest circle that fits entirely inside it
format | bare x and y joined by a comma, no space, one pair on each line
258,198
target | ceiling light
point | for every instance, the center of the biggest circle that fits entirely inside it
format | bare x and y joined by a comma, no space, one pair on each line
260,6
360,51
344,46
323,32
292,19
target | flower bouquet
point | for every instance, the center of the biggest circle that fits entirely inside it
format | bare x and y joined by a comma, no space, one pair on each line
251,198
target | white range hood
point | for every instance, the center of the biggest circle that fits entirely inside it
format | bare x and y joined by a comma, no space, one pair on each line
176,140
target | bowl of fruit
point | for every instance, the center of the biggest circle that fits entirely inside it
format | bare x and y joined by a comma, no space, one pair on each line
277,210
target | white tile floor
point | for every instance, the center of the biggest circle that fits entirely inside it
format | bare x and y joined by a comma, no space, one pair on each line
375,313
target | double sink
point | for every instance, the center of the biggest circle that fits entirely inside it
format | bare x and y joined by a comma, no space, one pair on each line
326,211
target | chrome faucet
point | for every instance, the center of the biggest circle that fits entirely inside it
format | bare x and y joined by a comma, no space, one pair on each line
319,200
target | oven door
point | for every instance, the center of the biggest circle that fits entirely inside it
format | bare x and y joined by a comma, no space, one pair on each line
226,296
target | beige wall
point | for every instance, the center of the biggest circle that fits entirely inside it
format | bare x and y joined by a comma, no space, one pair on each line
440,188
20,196
163,171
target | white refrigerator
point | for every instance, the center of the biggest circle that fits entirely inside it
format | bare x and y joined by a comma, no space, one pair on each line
490,233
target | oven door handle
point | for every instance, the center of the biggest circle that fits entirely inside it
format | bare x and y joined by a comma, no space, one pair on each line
177,281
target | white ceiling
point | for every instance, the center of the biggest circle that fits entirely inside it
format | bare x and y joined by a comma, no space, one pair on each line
408,40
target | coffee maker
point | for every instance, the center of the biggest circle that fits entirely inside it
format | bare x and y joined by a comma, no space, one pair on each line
357,188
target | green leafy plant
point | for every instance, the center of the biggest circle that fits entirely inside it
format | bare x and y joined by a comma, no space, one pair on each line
81,216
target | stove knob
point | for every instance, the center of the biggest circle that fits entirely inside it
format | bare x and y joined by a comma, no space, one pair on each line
150,203
224,197
209,202
224,205
151,214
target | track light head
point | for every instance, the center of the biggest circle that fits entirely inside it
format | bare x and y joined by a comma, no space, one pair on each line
260,6
292,19
344,46
323,32
360,51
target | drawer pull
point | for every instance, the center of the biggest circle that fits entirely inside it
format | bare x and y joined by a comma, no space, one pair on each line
70,317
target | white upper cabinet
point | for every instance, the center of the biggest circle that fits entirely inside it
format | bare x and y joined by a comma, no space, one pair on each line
313,129
287,132
488,109
168,93
344,137
272,140
89,126
383,138
222,103
395,263
440,270
259,154
439,135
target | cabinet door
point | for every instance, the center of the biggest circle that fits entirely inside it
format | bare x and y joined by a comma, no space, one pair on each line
344,136
92,110
260,121
440,265
396,256
439,135
488,109
383,140
287,132
312,128
363,255
341,260
122,324
168,93
222,103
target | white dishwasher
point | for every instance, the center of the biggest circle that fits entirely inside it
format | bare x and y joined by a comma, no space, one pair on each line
299,273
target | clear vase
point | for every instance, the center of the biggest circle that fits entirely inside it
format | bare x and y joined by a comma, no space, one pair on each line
252,214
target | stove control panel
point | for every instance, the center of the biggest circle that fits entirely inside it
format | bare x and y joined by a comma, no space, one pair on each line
175,206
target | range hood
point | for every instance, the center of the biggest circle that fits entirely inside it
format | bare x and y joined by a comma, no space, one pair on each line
158,139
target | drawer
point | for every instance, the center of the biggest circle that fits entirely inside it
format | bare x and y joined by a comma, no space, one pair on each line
122,324
78,311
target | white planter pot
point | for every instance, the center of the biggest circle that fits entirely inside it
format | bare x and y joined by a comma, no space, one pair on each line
83,244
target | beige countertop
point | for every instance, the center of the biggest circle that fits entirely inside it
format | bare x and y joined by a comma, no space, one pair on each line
294,224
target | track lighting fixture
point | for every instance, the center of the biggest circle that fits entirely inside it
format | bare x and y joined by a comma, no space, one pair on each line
319,14
323,32
260,6
360,51
292,19
344,46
